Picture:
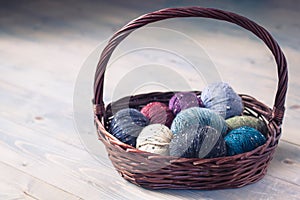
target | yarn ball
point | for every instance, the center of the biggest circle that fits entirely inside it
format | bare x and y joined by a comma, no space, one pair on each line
221,98
127,125
239,121
200,117
155,138
243,139
198,142
183,100
158,113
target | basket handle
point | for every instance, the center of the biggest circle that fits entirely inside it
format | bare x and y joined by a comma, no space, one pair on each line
260,32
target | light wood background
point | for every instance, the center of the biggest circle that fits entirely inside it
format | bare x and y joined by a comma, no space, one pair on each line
44,45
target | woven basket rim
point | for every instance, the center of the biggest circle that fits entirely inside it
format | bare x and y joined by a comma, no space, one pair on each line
108,137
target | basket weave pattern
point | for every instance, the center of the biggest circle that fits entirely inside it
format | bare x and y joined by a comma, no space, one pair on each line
159,172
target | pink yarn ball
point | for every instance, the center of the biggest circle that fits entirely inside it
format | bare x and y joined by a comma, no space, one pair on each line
158,113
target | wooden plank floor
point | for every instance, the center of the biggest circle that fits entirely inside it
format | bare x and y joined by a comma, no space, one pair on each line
46,49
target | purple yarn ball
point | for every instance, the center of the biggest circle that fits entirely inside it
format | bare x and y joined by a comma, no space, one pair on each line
183,100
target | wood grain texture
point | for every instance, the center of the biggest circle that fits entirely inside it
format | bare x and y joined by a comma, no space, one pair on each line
43,45
43,113
68,46
19,185
286,163
75,171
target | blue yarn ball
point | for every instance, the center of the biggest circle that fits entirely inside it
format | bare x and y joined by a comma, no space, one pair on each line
198,142
243,139
127,125
198,117
222,99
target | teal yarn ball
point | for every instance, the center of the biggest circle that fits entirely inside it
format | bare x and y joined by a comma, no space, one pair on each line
198,117
221,98
243,139
198,142
127,125
239,121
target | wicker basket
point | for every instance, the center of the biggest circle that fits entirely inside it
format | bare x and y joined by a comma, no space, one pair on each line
165,172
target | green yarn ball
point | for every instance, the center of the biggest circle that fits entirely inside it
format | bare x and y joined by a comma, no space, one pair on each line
239,121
